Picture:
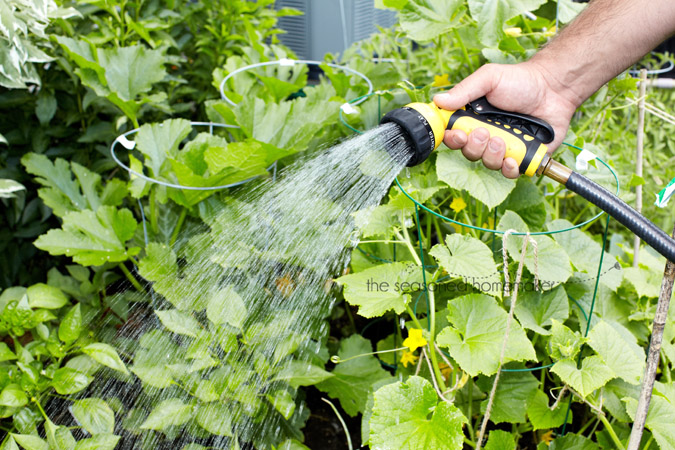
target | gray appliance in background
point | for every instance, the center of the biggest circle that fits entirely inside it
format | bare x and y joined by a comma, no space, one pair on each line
330,26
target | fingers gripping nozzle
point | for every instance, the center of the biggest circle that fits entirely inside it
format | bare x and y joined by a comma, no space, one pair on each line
424,125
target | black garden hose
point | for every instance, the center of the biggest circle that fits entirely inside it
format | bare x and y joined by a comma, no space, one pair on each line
626,215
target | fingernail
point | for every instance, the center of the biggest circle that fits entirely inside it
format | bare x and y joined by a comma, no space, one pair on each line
480,135
494,146
510,164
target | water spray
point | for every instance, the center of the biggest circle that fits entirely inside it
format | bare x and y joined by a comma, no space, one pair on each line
424,125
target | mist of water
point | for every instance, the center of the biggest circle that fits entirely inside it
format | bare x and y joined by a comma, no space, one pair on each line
252,295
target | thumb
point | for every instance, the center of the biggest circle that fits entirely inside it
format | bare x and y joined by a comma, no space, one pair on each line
476,85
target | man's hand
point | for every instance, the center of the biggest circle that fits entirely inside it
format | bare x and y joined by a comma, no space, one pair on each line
525,88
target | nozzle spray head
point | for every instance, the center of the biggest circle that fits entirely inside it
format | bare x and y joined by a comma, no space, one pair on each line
423,125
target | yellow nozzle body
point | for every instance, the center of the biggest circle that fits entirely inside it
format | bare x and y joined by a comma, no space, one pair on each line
425,124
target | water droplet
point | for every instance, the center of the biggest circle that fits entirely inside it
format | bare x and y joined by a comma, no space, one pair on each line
407,172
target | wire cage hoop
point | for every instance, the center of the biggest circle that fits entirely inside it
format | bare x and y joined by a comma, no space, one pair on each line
286,62
124,141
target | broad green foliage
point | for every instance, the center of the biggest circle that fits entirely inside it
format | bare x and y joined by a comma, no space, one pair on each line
552,262
119,75
352,380
489,187
540,413
536,310
491,15
514,390
23,38
425,20
382,288
470,259
475,338
93,239
409,416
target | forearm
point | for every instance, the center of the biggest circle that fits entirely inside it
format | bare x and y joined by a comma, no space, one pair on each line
604,40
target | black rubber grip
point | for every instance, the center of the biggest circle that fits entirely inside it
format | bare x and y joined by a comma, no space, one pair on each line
627,216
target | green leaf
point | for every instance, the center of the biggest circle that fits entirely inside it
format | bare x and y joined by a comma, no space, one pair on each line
647,283
500,440
92,239
573,442
584,252
491,16
552,262
70,381
535,310
9,444
168,413
409,416
469,258
13,396
623,356
94,415
215,418
179,322
568,10
475,339
299,373
425,20
382,288
564,343
71,325
5,353
513,392
292,444
160,141
130,71
106,355
8,188
283,402
352,380
380,220
45,107
226,306
661,415
541,415
41,295
488,186
98,442
592,375
29,442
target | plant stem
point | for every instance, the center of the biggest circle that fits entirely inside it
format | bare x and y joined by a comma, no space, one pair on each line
470,397
413,317
432,336
464,51
131,278
612,433
178,226
344,425
406,238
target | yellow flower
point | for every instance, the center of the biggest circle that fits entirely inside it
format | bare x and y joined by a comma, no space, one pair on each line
550,32
415,340
514,32
547,437
441,80
408,358
457,204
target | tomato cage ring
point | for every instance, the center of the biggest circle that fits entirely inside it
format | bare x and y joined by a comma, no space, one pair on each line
287,62
418,205
129,145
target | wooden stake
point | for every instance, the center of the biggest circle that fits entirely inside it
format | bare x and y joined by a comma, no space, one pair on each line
638,162
653,356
